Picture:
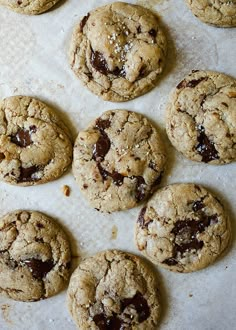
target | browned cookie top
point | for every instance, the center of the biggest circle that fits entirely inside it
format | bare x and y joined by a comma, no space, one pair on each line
29,7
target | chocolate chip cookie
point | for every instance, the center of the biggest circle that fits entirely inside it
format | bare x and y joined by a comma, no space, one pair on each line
221,13
114,290
29,7
183,228
35,145
118,160
34,256
118,51
201,117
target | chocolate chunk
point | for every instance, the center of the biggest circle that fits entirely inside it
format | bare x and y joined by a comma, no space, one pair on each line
2,156
27,173
186,231
140,188
19,2
107,323
139,30
39,268
198,205
153,33
141,219
23,137
193,83
102,124
117,178
225,104
101,147
140,304
39,225
152,165
83,22
205,147
99,63
170,262
119,72
203,96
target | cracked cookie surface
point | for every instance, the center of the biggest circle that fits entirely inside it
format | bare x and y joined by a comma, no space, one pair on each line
34,256
221,13
118,51
114,290
35,145
183,228
201,117
118,160
29,7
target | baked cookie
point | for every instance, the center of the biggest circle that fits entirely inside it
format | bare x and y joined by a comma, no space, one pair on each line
183,228
201,117
114,290
34,256
221,13
35,146
118,51
118,160
29,7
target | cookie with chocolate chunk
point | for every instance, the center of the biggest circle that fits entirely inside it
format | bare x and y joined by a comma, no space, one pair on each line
35,145
201,117
221,13
29,7
114,290
118,51
118,160
183,228
34,256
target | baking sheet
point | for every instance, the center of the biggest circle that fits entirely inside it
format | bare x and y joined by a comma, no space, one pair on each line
33,61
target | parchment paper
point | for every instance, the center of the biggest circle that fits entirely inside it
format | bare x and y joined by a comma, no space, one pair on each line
33,61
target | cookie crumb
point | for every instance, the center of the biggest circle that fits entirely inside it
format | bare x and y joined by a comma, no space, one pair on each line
114,232
66,190
5,312
190,295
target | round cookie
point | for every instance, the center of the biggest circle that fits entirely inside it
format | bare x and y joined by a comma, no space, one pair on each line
182,228
35,145
221,13
118,160
201,117
34,256
118,51
114,290
29,7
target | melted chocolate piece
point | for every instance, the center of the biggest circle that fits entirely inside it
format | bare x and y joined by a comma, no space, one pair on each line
23,137
101,147
203,100
192,83
102,124
140,304
153,33
139,29
26,173
99,63
157,182
140,188
2,156
186,231
39,268
117,178
225,104
107,323
103,172
205,147
198,205
141,219
84,21
152,165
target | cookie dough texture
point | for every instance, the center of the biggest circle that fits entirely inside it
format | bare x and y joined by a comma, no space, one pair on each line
118,51
114,290
183,228
34,256
35,145
118,160
201,117
29,7
221,13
